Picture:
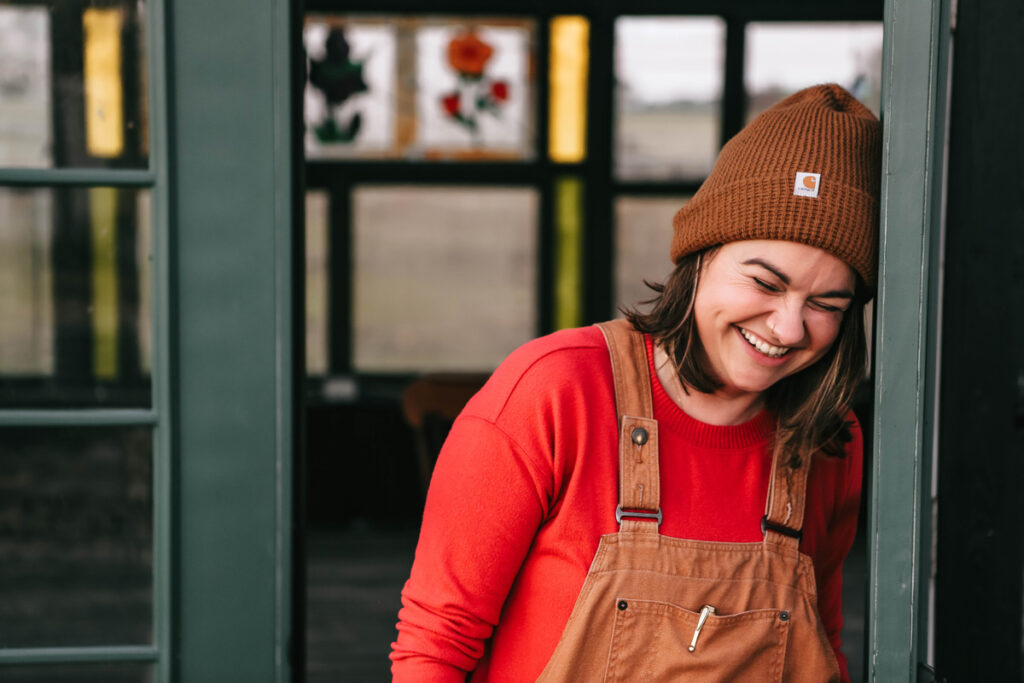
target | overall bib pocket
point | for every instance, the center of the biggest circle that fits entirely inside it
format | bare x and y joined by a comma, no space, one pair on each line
652,641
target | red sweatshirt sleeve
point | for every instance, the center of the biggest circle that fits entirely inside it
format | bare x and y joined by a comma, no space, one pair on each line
486,500
842,528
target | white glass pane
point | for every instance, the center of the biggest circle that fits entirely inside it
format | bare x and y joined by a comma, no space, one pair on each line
669,74
444,277
785,57
643,232
25,85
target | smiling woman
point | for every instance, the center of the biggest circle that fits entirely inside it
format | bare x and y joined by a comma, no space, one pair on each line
677,490
764,310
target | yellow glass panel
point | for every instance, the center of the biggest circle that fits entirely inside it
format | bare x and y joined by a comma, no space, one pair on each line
568,252
570,55
103,233
104,95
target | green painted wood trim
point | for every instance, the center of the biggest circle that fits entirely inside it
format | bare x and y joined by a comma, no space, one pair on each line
161,369
283,30
913,112
231,171
77,418
73,655
77,176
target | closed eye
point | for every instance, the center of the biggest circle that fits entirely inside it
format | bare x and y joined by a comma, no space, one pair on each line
766,285
827,307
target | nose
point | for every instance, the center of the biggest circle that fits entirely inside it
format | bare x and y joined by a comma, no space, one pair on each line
787,323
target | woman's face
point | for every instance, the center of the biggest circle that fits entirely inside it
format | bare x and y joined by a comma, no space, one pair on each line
767,309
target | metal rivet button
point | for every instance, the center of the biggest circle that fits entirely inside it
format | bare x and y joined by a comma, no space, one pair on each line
622,604
639,436
784,615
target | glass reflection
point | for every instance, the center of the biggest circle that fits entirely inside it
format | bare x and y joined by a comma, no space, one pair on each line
72,85
783,57
75,536
444,277
668,96
75,297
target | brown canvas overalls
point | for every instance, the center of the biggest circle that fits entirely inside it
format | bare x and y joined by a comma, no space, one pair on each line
655,608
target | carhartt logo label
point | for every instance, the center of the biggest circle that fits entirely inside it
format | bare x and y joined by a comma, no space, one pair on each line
806,184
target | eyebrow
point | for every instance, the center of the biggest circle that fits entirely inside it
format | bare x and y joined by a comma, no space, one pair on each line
774,270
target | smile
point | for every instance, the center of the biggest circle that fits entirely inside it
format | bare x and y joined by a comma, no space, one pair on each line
763,346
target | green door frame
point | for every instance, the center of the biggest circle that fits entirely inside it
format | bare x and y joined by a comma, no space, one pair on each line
916,70
231,281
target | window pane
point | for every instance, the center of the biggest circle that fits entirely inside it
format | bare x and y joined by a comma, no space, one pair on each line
75,297
351,87
643,231
474,90
78,673
419,87
567,77
317,280
72,85
785,57
668,96
444,277
75,536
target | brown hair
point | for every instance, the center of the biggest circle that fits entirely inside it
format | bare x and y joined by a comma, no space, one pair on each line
810,405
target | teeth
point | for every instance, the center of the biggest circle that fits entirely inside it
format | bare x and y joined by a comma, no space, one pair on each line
764,347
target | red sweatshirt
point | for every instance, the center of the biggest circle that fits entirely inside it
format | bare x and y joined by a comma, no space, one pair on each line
527,483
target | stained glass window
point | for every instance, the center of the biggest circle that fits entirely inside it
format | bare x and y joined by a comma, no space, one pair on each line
351,88
473,93
418,87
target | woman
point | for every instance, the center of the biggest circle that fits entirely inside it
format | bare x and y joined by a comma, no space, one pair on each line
551,537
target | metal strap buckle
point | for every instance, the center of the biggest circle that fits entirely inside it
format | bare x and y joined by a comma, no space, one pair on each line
620,513
779,528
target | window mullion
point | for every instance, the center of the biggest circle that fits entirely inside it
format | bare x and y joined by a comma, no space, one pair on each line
51,177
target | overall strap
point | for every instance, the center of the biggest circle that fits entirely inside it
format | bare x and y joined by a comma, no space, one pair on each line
783,520
639,508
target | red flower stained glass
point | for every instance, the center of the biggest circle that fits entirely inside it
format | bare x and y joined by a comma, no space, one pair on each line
468,55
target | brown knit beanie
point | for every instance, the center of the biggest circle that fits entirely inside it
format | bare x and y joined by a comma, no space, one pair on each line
806,170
